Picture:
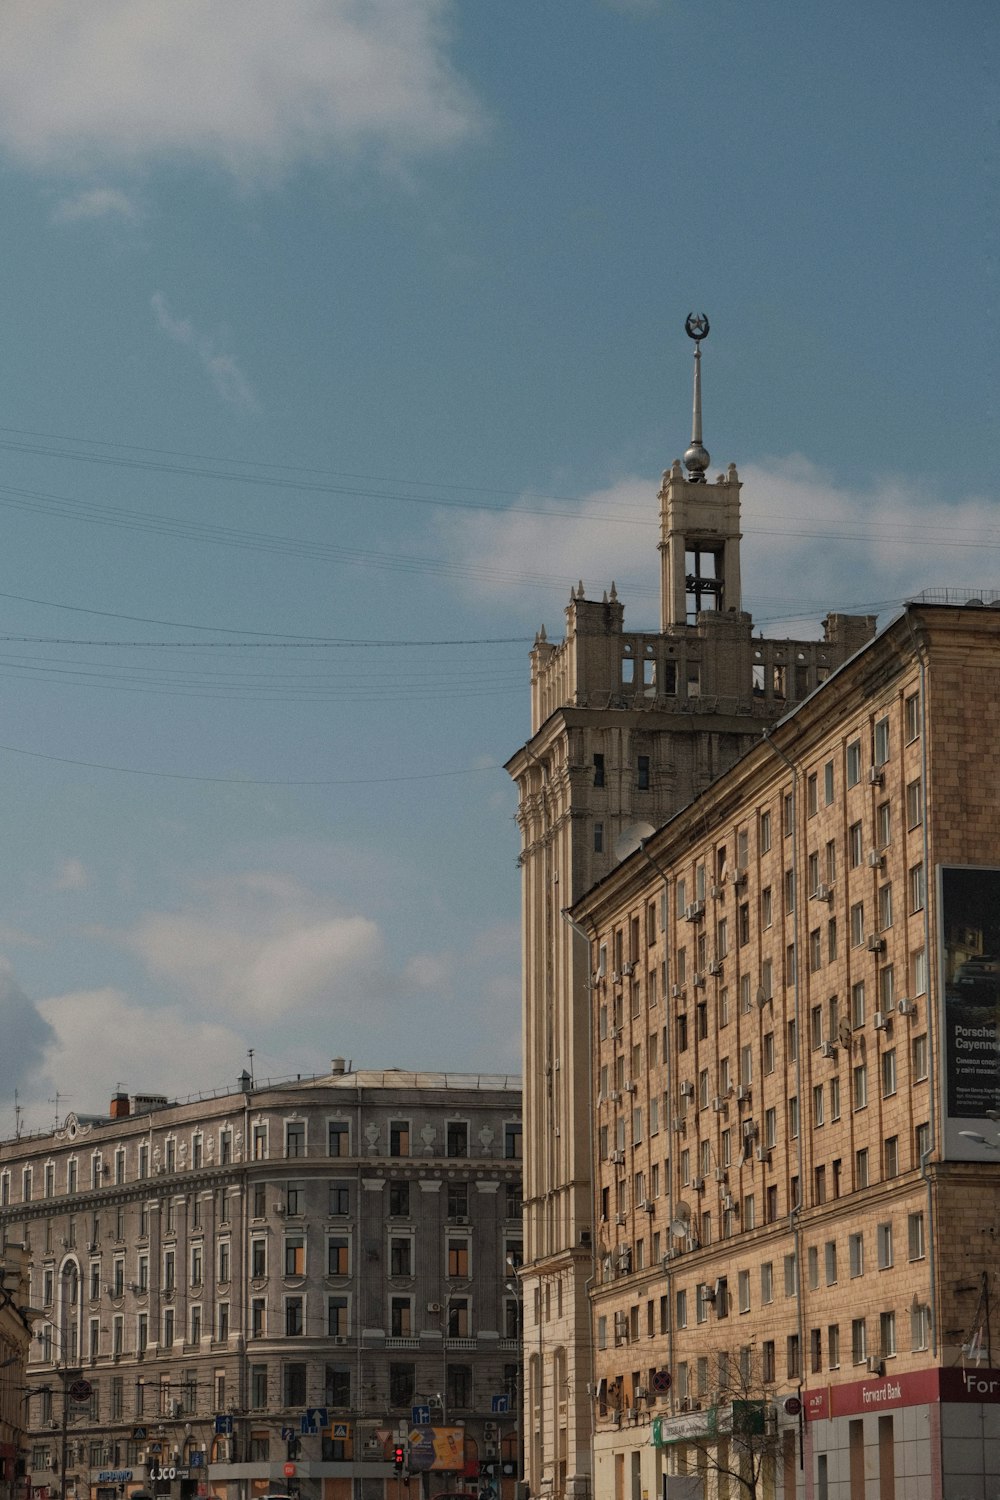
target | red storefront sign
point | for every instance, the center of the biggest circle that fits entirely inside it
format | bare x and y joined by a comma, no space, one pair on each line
914,1388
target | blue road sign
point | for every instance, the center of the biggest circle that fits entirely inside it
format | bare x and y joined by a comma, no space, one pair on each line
224,1426
500,1404
420,1416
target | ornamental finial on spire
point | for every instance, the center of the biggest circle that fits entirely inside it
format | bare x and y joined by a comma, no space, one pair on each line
697,458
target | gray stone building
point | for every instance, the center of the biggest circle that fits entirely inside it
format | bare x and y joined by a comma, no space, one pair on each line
272,1288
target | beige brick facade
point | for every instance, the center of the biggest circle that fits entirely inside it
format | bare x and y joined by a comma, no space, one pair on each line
765,1012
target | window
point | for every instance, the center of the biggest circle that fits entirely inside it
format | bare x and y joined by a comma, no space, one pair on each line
857,924
338,1255
883,1240
400,1255
258,1386
196,1265
257,1322
830,1261
402,1384
793,1117
743,1291
458,1256
812,1267
881,741
294,1385
855,845
854,763
883,825
337,1325
861,1086
766,1282
339,1200
815,1350
812,794
918,972
890,1157
818,1101
884,907
858,1004
642,773
766,907
888,1072
598,838
914,804
887,1334
861,1168
258,1149
339,1138
919,1057
399,1137
295,1255
400,1317
765,832
911,717
791,1276
886,989
792,1356
598,770
458,1318
168,1326
788,814
457,1143
920,1326
833,1346
917,888
828,783
815,950
295,1138
916,1236
512,1140
859,1341
295,1199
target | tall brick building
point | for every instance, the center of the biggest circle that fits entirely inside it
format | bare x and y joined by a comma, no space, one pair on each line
794,988
627,727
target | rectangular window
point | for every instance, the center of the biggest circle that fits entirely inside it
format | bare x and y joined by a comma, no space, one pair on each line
884,907
911,717
336,1317
890,1157
887,1334
916,1236
642,773
919,1063
914,804
598,770
833,1346
857,924
881,741
338,1138
917,888
812,794
855,845
861,1168
888,1073
920,1326
830,1261
861,1086
854,763
858,1005
457,1141
883,1240
338,1255
512,1141
765,832
859,1341
828,783
295,1255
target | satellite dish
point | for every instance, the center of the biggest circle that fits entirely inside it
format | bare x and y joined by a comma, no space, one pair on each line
761,997
844,1032
679,1229
630,838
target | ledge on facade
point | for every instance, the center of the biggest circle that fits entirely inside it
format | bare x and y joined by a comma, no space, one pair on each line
472,1343
398,1341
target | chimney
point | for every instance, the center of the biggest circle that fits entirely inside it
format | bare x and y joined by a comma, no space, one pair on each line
337,1065
119,1106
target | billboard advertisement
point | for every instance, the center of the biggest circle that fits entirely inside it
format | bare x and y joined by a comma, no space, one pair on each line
970,1025
436,1448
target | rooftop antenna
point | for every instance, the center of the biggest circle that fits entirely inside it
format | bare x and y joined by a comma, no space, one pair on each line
59,1098
18,1113
250,1056
697,458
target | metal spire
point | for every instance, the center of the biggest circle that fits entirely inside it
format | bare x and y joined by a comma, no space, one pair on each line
697,458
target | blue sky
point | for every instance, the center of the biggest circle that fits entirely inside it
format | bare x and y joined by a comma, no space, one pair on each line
362,324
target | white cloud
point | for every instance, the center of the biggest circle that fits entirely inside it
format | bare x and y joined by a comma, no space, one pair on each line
96,203
221,368
158,1051
251,85
259,947
26,1032
71,875
810,544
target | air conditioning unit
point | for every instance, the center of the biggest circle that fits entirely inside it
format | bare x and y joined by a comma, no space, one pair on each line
678,1124
698,980
876,776
738,876
641,1393
876,859
715,967
340,1338
279,1208
433,1307
749,1130
687,1089
620,1219
718,1104
631,1087
907,1007
728,1202
615,1033
827,1049
618,1158
718,891
881,1020
647,1205
614,1096
719,1174
743,1094
631,1413
694,910
763,1154
616,976
91,1246
874,943
628,969
823,893
708,1293
697,1184
875,1365
684,1404
676,992
460,1219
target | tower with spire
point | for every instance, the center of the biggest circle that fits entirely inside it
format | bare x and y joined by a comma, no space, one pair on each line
626,728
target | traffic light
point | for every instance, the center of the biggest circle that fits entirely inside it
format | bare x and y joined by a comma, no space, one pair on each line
398,1458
